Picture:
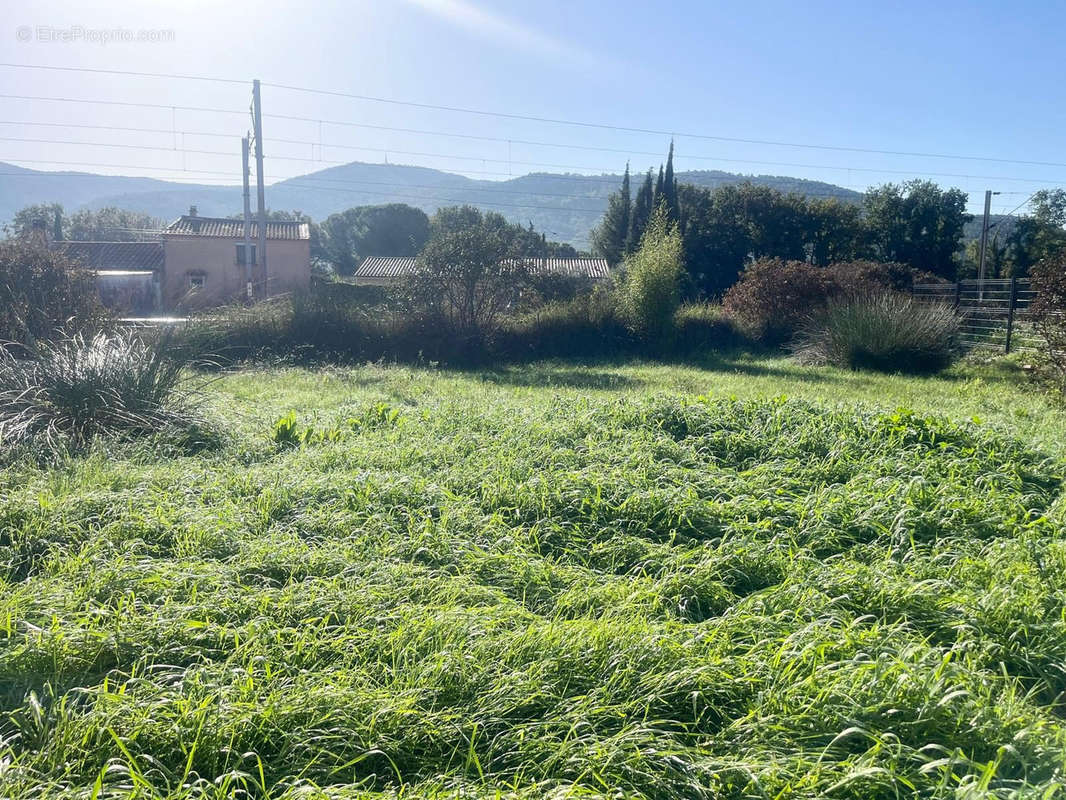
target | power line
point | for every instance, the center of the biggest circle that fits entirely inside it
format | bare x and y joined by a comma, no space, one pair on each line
126,72
522,117
130,104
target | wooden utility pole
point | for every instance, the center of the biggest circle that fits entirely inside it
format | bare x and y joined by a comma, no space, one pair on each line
248,260
260,189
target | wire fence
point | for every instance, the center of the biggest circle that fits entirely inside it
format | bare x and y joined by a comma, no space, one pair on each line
995,313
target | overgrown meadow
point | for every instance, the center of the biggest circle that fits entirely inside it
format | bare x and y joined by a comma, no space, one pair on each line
755,580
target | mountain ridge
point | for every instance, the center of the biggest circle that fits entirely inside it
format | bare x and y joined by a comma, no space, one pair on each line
564,206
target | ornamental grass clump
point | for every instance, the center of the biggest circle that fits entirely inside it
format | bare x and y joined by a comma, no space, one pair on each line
887,332
66,393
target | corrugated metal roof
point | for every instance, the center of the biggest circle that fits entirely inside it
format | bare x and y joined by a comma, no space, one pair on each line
115,255
398,267
386,267
234,228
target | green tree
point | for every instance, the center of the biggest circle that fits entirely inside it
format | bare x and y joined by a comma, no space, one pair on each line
651,289
660,188
642,210
669,197
918,224
609,239
43,291
41,216
834,231
470,271
1040,235
111,224
349,237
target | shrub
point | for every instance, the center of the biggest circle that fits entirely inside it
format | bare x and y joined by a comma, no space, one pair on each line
703,326
888,332
588,325
651,288
774,297
43,292
469,273
73,390
1048,313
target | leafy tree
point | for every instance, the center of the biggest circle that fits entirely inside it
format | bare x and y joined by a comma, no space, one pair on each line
471,269
42,291
108,224
997,262
349,237
609,239
1038,236
642,209
834,231
717,238
651,289
1049,206
41,216
111,224
917,223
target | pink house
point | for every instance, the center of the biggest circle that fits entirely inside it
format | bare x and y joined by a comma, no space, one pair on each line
204,264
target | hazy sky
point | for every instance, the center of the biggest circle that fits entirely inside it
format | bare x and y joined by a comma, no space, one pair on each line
965,79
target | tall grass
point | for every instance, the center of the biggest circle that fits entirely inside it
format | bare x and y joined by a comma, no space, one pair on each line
511,591
67,392
889,332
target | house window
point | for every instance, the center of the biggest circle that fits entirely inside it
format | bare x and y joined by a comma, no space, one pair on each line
197,280
240,253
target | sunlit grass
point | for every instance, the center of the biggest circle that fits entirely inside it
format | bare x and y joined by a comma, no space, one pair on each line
615,580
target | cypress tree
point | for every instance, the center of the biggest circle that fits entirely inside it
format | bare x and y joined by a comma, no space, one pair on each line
642,208
57,225
611,237
660,187
673,209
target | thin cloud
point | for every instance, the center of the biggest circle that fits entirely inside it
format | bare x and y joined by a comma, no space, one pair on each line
492,26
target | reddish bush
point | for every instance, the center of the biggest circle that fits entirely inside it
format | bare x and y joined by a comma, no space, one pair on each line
1048,312
774,297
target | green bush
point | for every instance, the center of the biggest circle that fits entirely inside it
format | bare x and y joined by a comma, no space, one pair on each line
44,292
312,328
703,326
651,288
588,325
888,332
74,390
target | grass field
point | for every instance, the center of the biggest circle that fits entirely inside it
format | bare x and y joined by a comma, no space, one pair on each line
746,579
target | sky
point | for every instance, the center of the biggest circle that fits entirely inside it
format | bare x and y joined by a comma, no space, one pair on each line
812,86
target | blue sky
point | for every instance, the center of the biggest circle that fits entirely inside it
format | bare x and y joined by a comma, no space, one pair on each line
966,79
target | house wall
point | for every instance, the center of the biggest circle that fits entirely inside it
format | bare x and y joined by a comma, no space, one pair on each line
215,258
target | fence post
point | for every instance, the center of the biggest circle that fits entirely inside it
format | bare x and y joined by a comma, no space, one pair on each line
1010,312
958,294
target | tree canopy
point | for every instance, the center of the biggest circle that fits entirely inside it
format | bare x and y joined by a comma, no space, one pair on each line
108,224
351,236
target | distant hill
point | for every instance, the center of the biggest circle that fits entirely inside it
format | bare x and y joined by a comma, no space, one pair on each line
565,207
